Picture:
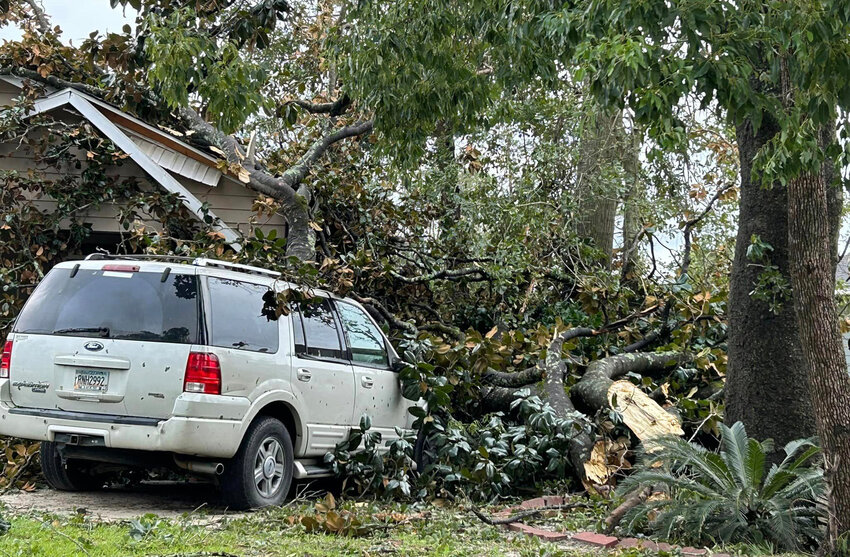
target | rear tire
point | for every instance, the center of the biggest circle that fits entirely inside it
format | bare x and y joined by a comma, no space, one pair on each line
261,472
74,475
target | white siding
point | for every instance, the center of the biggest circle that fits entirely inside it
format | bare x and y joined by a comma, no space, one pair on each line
176,162
230,201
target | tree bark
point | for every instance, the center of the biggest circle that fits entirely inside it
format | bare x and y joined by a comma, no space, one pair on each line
557,397
766,366
631,207
593,387
810,241
597,195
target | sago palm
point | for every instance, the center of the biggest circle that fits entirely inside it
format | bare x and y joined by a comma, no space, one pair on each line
729,496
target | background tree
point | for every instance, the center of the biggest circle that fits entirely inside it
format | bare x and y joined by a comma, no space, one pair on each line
649,56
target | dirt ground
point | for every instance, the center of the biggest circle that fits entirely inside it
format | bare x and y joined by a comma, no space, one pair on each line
166,499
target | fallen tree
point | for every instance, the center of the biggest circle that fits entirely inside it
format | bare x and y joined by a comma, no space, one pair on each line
597,390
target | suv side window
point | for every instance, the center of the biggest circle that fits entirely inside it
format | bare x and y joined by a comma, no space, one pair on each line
236,318
364,339
316,330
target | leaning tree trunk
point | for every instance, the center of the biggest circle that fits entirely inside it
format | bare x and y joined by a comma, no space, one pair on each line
766,366
810,243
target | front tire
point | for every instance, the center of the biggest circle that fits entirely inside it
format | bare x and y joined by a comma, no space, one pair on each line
422,451
261,472
73,475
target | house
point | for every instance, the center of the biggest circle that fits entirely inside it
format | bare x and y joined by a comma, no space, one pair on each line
158,155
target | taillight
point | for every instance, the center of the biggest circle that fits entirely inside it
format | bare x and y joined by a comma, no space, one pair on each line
203,374
121,268
6,360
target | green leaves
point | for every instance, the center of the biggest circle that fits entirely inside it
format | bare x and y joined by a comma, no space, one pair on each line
771,287
185,60
728,497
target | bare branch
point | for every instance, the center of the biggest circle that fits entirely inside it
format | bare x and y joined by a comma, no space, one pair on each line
632,501
472,274
394,321
689,226
40,17
442,328
334,108
554,363
526,514
297,172
52,80
592,388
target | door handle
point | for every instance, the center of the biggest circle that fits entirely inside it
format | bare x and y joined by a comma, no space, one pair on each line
367,382
303,374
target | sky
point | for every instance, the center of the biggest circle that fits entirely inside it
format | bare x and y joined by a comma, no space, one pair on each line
78,18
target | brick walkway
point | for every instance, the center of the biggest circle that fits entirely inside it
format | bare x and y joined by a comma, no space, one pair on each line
590,538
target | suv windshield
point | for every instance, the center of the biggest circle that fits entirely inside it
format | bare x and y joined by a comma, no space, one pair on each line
129,306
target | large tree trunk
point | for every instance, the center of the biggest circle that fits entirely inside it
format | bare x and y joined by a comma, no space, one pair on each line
766,366
301,238
597,195
813,273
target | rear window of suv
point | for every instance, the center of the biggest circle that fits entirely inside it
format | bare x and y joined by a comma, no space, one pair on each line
116,305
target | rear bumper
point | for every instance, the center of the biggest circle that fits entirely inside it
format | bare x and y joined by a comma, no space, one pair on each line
211,437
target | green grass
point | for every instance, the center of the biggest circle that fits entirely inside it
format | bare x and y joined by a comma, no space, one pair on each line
269,533
432,530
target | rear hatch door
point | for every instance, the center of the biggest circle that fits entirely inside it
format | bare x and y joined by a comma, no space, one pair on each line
109,340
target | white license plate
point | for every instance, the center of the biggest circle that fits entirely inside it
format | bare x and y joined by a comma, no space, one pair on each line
91,381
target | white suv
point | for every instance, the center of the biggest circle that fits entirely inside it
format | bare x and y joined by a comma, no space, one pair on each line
118,361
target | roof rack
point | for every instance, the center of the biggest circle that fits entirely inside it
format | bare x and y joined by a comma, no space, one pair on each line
103,255
197,261
204,262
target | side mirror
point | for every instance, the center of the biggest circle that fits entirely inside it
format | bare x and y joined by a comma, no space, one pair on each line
398,365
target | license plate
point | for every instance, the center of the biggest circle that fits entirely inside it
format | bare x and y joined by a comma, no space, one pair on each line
91,381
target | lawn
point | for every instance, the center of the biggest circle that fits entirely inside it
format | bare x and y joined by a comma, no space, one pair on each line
389,530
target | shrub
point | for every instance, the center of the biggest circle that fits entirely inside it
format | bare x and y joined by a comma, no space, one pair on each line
729,496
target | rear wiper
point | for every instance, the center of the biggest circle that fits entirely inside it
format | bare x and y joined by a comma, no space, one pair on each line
103,331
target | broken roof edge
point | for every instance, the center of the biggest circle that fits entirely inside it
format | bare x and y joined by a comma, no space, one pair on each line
141,127
82,103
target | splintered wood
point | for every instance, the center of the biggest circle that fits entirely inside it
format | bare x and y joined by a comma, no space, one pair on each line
641,414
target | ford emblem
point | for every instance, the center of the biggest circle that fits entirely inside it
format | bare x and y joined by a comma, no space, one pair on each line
94,346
